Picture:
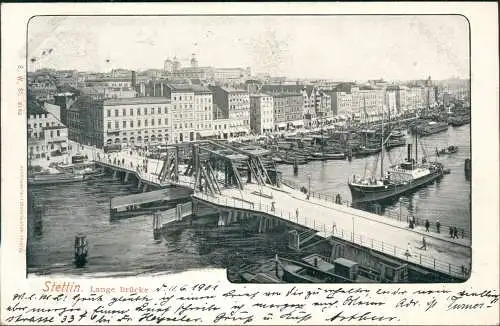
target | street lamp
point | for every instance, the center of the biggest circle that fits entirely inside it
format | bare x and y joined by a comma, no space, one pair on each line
352,216
400,208
309,190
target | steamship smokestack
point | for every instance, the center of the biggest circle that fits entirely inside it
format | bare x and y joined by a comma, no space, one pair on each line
409,152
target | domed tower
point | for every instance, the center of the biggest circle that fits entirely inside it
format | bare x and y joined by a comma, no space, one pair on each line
194,62
168,65
177,64
429,81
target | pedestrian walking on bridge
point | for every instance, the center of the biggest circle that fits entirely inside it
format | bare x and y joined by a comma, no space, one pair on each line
438,226
455,232
424,244
427,224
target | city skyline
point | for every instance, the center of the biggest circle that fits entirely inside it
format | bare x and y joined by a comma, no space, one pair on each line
389,47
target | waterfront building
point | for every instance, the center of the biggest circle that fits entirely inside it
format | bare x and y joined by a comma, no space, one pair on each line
261,113
222,128
233,104
281,113
414,98
456,90
47,136
288,110
369,101
98,121
136,121
341,103
401,98
324,109
192,112
390,100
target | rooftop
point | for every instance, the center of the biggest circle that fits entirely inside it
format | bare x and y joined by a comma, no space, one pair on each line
260,95
33,107
286,94
137,100
54,127
188,88
229,89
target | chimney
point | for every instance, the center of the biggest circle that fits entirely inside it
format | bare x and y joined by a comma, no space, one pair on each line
409,152
133,79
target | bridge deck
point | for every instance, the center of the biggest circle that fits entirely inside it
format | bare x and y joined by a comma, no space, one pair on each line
370,230
377,232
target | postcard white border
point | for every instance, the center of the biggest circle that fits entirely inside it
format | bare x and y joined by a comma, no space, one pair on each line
485,107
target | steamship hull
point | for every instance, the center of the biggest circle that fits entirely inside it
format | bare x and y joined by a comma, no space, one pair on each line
362,194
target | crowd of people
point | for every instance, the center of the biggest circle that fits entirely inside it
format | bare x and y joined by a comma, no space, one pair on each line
453,230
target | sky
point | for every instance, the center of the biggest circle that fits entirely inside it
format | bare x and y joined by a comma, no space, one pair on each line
331,47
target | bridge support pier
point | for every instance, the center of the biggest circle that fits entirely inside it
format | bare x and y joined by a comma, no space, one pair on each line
195,207
265,224
156,226
223,217
125,180
139,184
115,174
293,240
145,187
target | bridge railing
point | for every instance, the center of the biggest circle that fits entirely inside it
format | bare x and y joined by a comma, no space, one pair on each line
419,222
332,230
149,177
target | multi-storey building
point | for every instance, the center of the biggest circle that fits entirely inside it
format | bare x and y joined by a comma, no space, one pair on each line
308,100
231,73
261,113
341,103
96,121
47,136
414,99
369,101
288,110
234,105
137,121
457,89
64,101
222,128
401,98
192,112
390,100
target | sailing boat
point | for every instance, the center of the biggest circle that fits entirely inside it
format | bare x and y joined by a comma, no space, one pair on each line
400,178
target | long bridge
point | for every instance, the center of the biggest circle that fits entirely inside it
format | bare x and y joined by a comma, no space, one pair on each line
212,170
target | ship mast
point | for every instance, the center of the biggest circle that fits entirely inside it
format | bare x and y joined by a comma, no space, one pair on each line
416,148
382,149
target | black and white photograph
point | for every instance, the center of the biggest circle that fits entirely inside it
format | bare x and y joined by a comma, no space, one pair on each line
282,148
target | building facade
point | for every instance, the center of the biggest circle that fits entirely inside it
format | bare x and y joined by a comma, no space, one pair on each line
341,103
261,114
192,112
288,110
233,104
136,121
390,101
47,136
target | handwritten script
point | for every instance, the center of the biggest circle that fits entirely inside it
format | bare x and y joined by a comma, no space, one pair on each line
236,304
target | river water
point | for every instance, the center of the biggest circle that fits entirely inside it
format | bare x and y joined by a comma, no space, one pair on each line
126,247
447,199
